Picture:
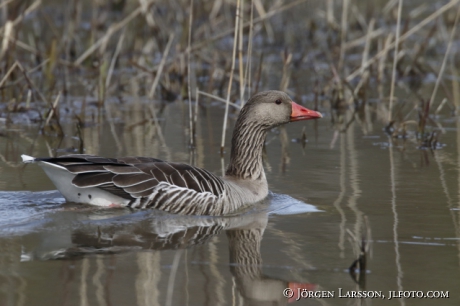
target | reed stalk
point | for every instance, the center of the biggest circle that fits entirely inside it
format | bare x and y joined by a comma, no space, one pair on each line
248,23
15,64
232,70
53,109
343,34
406,35
395,60
189,73
217,98
112,30
161,66
248,72
446,56
240,54
114,60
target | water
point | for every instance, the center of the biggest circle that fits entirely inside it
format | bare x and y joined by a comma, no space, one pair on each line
95,256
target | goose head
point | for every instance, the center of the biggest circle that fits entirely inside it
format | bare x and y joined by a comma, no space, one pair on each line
262,112
272,108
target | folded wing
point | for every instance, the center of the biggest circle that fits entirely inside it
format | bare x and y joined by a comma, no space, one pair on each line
147,182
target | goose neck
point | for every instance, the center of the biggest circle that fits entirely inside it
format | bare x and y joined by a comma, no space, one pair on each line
246,153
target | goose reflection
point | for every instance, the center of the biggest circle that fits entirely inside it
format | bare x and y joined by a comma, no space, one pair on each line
155,230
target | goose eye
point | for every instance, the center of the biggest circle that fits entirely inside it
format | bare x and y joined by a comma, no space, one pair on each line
278,101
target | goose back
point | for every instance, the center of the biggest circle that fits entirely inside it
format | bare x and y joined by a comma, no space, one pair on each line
153,183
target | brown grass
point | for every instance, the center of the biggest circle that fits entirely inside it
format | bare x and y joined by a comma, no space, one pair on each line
224,50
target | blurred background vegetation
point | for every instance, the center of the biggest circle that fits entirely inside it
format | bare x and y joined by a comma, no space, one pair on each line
70,62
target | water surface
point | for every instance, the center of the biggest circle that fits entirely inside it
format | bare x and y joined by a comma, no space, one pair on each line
408,196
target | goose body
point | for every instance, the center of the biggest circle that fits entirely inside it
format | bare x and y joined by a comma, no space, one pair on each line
144,182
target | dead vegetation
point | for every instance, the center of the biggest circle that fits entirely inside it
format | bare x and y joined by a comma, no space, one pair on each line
377,63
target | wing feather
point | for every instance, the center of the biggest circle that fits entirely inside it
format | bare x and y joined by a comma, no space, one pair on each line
142,194
115,190
158,173
127,180
85,180
140,177
192,181
85,168
132,160
122,169
177,179
203,179
146,185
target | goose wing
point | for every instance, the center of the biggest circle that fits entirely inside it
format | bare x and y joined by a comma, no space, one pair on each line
147,182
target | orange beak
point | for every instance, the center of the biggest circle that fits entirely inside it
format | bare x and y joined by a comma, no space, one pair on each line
301,113
297,288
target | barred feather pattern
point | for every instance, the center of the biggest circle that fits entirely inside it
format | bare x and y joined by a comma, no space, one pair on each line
153,183
247,145
175,187
245,252
142,182
110,240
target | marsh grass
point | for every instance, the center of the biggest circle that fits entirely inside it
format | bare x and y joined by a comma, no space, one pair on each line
200,51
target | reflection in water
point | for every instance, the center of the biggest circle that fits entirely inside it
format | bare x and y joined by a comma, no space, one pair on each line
146,285
439,156
354,182
395,221
338,201
95,234
458,176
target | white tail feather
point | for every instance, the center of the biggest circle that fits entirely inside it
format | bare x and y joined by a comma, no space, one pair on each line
27,158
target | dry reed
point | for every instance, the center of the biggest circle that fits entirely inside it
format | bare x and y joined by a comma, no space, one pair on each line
131,46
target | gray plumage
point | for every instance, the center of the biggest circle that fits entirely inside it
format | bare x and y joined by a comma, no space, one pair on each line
143,182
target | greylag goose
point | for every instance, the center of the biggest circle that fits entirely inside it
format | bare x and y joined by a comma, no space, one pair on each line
145,182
